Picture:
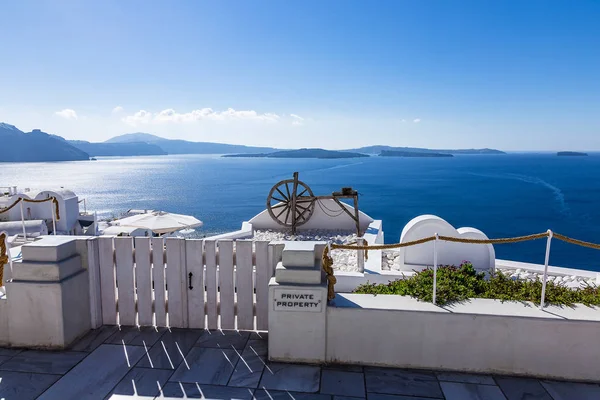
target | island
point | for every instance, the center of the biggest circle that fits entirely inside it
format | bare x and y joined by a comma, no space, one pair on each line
391,153
377,149
571,154
302,153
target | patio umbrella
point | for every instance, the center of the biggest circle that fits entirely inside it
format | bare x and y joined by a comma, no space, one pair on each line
160,222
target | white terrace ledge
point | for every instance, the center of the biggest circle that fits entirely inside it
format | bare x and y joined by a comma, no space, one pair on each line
479,336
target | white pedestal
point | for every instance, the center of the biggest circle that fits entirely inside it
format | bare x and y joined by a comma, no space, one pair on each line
297,322
298,310
48,298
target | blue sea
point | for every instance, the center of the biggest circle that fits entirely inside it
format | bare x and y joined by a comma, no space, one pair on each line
502,195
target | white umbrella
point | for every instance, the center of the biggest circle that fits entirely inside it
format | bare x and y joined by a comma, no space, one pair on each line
161,222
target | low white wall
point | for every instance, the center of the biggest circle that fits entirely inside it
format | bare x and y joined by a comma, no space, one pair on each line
483,336
244,233
4,341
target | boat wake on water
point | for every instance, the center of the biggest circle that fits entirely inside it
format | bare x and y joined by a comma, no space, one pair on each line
558,193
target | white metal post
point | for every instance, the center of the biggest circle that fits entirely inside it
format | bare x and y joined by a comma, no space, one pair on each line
53,217
23,221
546,261
360,256
435,262
10,261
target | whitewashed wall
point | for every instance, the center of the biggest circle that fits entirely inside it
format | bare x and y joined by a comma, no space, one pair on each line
481,336
449,253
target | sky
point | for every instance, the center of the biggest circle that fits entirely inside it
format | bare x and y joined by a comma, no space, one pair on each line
512,75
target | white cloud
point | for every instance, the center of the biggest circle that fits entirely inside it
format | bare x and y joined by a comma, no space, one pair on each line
140,117
417,120
117,109
403,120
67,113
298,120
171,116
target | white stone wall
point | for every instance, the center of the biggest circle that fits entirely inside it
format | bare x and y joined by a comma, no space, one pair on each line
480,336
449,253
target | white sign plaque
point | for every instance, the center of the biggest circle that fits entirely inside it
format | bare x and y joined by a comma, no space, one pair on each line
298,300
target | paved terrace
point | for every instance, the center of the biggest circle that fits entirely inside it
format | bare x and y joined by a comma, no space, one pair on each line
146,364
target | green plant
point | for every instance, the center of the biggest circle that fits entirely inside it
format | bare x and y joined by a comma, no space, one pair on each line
456,284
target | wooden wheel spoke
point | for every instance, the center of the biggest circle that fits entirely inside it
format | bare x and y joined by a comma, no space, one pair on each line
302,207
282,211
278,199
279,205
302,192
287,214
303,212
282,195
287,189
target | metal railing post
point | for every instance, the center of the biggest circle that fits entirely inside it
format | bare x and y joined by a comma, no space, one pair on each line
53,217
546,261
23,221
435,262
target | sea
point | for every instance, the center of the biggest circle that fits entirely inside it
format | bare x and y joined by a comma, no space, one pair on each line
502,195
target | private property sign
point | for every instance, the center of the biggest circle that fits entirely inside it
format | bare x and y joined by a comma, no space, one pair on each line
297,300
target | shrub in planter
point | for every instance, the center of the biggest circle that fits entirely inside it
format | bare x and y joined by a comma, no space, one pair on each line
464,282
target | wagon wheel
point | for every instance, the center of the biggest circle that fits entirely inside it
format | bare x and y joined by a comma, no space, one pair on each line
280,199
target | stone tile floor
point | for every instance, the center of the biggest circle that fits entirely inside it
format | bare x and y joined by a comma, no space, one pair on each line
109,363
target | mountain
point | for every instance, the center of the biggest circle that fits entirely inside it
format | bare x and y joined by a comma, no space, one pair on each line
379,148
18,146
303,153
187,147
118,149
135,137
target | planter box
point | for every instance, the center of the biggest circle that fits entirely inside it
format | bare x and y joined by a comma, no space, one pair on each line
481,336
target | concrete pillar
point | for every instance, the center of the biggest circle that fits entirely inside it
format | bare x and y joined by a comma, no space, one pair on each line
48,297
298,305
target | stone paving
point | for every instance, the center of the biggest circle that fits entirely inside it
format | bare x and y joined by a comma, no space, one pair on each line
109,363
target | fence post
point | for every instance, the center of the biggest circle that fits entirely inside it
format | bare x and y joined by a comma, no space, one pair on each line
360,255
546,261
53,217
23,222
435,262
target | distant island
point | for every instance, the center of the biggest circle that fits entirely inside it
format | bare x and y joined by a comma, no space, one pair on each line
391,153
570,154
379,148
302,153
41,146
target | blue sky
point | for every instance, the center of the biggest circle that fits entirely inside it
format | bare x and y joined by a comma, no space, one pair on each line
514,75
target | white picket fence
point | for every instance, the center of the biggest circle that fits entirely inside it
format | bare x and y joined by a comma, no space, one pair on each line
180,283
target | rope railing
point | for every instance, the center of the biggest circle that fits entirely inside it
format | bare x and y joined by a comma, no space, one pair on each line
53,199
328,261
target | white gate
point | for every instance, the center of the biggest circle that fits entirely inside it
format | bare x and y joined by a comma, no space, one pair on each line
182,283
